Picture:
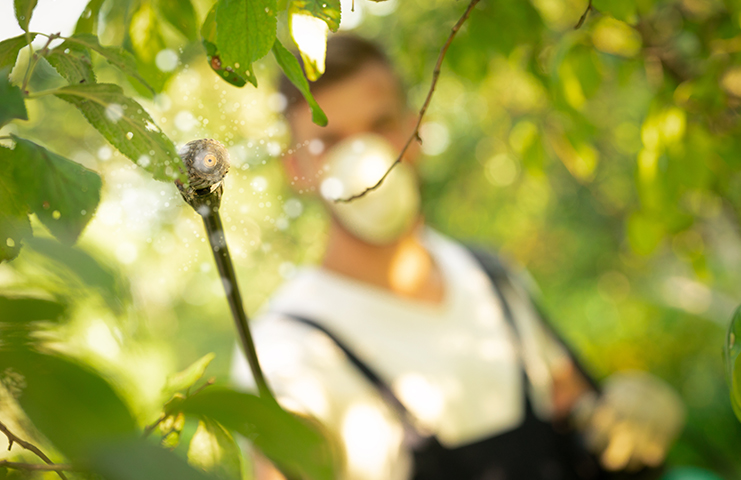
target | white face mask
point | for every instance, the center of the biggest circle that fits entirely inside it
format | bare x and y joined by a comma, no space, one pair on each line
379,217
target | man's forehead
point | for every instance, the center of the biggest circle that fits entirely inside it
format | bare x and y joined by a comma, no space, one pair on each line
352,103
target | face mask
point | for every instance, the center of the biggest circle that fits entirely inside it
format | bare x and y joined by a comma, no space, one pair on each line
379,217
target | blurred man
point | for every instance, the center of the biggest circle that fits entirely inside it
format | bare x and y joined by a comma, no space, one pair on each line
426,359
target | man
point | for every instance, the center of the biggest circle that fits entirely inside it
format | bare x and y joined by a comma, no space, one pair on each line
420,361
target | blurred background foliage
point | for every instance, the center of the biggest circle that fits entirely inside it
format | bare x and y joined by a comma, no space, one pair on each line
605,160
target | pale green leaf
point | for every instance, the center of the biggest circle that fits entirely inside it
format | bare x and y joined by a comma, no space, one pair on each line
292,69
214,450
9,49
126,124
62,193
88,21
310,35
732,354
181,15
327,10
189,376
245,31
23,12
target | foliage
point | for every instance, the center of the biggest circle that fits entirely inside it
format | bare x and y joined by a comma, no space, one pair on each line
603,159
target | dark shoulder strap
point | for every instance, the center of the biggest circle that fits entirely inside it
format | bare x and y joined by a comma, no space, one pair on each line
501,279
408,421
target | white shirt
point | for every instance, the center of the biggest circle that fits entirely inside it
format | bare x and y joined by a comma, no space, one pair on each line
455,366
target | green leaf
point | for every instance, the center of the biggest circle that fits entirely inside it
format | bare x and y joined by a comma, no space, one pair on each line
245,31
112,286
62,193
126,124
147,42
732,354
189,376
214,450
290,66
23,12
73,406
15,226
12,105
327,10
9,49
624,10
181,15
72,61
227,72
140,460
298,448
88,21
116,56
30,309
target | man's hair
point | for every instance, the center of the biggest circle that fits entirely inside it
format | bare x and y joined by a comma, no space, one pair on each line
346,55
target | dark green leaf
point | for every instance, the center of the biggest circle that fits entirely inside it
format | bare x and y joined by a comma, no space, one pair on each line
110,285
15,226
62,193
29,309
23,12
291,442
245,32
214,450
293,71
732,354
181,15
73,406
327,10
12,105
88,21
114,55
126,124
189,376
139,460
227,72
72,61
9,49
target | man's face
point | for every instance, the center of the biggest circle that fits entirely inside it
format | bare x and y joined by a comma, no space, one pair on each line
369,100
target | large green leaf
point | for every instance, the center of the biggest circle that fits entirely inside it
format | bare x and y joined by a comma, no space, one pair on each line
88,21
12,105
73,406
62,193
732,354
298,448
126,124
140,460
245,31
9,49
147,42
227,72
114,55
15,226
111,285
327,10
293,71
181,15
214,450
23,12
72,61
19,317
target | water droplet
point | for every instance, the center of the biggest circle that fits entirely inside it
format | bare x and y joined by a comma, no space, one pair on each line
56,214
130,135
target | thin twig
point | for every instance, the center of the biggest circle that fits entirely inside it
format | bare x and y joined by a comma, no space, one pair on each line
39,467
415,133
12,438
584,16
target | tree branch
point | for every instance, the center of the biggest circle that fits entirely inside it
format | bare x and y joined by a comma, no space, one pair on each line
12,438
584,16
415,133
39,467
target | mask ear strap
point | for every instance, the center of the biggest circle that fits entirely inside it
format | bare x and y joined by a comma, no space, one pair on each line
412,433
